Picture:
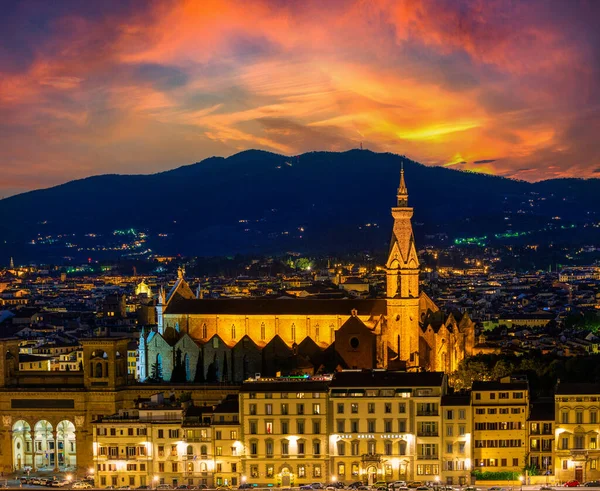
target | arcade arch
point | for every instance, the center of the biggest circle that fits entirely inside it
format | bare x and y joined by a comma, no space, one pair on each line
45,446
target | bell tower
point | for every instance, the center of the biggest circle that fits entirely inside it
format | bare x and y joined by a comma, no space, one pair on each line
402,282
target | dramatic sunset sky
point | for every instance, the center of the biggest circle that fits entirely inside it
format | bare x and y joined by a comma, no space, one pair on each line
90,87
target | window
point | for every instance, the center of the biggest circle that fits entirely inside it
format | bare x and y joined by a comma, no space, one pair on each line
253,427
299,408
269,448
462,430
402,407
564,443
269,427
449,447
517,395
301,471
354,408
285,447
479,411
355,470
402,447
371,426
578,441
161,433
233,435
565,464
388,407
284,409
316,427
449,414
354,448
564,417
354,426
461,447
579,417
477,396
341,469
174,466
270,470
284,428
254,448
268,408
371,447
341,448
492,395
593,417
316,470
300,427
503,395
316,447
387,447
371,408
449,430
254,471
340,408
301,448
516,462
219,451
387,426
253,409
462,414
316,408
218,435
593,445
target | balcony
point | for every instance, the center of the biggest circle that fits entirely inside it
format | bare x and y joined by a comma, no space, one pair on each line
431,412
427,433
427,457
371,457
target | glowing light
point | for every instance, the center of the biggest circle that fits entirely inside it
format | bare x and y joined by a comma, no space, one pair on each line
155,478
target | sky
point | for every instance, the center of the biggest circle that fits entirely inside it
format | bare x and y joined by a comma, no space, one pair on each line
496,86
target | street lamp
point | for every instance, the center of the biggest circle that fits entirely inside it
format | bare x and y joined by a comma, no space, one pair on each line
521,478
155,479
437,482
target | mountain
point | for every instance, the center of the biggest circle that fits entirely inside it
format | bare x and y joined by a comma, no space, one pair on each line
261,202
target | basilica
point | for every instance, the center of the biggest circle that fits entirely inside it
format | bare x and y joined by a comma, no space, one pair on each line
228,340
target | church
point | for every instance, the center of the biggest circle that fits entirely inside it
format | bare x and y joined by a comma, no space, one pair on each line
229,340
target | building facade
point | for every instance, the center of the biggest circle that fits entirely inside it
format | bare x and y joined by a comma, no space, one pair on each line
500,413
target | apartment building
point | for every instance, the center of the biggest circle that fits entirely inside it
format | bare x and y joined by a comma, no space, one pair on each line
456,433
284,430
541,437
500,413
228,447
576,431
385,425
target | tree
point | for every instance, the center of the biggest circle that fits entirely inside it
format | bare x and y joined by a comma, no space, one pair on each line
156,373
178,375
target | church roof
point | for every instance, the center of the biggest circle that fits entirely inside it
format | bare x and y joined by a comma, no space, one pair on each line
262,306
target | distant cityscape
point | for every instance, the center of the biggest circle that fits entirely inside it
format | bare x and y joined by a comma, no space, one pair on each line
439,366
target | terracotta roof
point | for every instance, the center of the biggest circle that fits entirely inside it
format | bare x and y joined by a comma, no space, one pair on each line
382,378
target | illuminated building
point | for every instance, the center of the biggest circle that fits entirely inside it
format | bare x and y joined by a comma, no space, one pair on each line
236,336
577,431
284,430
456,434
500,413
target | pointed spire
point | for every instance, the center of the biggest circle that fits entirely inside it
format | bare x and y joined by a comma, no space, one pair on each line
12,263
161,296
402,189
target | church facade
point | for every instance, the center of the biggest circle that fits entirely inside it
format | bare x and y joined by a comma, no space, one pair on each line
229,340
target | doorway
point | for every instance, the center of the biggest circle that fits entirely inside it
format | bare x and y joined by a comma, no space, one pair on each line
285,477
372,475
579,474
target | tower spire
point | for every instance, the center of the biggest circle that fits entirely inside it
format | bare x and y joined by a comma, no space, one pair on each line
402,189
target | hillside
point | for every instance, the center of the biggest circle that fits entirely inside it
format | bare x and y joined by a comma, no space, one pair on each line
261,202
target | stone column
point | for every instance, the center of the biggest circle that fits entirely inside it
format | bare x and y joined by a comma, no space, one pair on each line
55,438
33,463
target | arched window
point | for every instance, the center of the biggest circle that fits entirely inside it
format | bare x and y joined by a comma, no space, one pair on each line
402,447
232,331
203,451
203,467
263,334
98,373
190,450
188,371
204,331
371,447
